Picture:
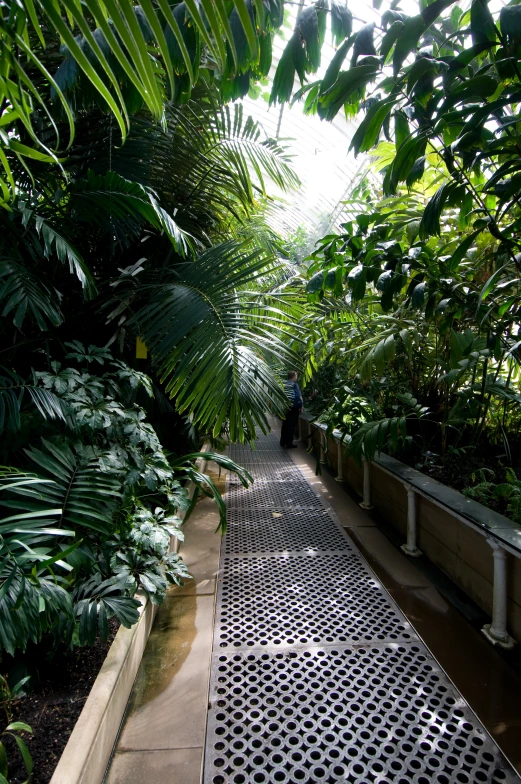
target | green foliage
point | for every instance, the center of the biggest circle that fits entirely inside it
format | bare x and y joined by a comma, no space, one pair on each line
14,730
210,334
389,433
509,492
122,56
93,522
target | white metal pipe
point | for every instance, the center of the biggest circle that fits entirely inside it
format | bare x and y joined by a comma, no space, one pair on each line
411,547
496,631
366,502
339,456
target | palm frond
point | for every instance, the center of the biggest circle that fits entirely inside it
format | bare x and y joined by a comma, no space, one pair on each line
85,496
204,166
22,293
31,599
212,339
13,390
110,198
114,54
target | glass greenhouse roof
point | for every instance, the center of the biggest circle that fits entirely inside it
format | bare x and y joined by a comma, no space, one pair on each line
320,149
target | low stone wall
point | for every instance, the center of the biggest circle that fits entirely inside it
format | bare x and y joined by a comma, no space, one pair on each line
460,551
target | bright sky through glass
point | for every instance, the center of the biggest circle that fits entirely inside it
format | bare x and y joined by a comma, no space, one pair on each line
321,149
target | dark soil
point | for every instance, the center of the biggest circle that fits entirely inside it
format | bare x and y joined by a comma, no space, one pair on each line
53,706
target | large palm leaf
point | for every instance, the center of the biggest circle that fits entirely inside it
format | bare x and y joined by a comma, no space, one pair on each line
205,164
84,497
122,51
14,389
32,599
212,339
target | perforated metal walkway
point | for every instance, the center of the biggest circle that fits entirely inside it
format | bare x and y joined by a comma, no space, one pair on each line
316,674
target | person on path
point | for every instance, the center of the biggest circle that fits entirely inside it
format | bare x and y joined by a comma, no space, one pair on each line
288,423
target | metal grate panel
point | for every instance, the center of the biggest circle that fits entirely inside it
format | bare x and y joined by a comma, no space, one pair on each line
303,599
288,495
317,677
368,715
239,452
265,530
265,460
275,473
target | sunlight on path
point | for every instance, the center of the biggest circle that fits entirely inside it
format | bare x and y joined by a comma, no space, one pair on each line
316,674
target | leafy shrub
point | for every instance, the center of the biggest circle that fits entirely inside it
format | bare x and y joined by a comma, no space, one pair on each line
90,518
509,493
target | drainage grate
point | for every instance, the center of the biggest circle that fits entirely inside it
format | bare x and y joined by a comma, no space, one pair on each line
264,530
303,599
278,473
316,675
288,495
265,460
379,714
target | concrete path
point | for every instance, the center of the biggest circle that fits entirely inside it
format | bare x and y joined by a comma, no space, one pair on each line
163,734
290,678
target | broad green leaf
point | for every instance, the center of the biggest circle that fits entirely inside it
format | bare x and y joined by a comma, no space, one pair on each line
481,22
357,281
407,41
430,223
418,295
341,22
477,88
408,153
368,132
348,83
510,21
316,282
390,37
364,42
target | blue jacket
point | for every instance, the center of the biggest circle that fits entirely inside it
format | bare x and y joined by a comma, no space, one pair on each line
293,392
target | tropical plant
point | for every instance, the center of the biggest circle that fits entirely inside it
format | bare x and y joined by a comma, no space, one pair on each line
62,57
92,523
13,730
489,492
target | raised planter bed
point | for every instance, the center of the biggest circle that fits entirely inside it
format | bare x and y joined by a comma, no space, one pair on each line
479,549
